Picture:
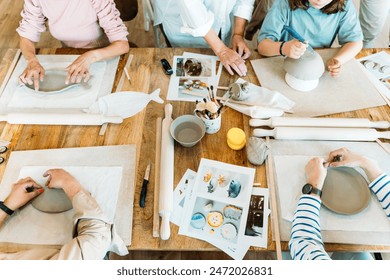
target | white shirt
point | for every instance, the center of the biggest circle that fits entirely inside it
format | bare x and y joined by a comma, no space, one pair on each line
186,22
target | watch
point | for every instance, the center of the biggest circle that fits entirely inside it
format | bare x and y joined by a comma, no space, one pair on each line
309,189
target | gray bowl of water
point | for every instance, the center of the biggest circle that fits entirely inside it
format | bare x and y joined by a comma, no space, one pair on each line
187,130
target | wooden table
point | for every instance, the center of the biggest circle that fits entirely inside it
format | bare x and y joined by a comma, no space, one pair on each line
147,75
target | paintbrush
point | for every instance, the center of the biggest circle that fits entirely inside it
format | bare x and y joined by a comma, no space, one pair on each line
296,35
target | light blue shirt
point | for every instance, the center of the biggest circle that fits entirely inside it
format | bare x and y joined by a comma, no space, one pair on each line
312,24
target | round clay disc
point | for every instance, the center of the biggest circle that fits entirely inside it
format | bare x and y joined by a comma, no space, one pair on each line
52,201
345,191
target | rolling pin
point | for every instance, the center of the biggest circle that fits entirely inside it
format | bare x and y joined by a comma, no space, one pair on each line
58,119
319,122
320,133
166,174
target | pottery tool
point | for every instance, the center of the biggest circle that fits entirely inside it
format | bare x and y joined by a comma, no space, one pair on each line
156,218
58,119
10,70
127,74
144,186
320,133
166,174
319,122
380,143
296,35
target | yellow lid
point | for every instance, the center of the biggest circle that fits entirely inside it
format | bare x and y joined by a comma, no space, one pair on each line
236,139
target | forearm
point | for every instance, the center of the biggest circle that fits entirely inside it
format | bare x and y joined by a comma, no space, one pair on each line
348,51
114,49
268,47
239,26
306,240
28,49
3,217
214,41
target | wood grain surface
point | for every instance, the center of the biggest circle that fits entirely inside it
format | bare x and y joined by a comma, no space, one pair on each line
147,74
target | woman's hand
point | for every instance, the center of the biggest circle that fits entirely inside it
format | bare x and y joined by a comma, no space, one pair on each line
33,73
61,179
79,69
239,46
232,61
19,196
316,172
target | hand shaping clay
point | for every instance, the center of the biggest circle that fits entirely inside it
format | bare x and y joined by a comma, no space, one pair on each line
52,201
303,74
345,191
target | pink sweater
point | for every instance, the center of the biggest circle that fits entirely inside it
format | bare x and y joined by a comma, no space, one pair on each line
76,23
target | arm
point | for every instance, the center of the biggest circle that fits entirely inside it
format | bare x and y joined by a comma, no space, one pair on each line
93,234
238,43
293,48
306,240
19,196
346,53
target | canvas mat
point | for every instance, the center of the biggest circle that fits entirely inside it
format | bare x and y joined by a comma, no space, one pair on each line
370,226
351,91
110,181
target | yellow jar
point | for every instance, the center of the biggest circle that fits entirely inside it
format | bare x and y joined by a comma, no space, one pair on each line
236,139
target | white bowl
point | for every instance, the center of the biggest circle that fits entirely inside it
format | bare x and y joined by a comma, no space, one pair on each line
187,130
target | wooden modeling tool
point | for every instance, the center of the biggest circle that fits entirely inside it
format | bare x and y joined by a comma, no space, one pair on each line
166,174
321,133
156,217
319,122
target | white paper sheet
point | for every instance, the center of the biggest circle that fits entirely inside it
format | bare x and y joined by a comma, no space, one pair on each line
352,90
30,226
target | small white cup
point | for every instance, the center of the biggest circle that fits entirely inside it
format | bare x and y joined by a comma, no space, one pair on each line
212,125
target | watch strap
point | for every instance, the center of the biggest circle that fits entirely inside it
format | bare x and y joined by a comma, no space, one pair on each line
5,208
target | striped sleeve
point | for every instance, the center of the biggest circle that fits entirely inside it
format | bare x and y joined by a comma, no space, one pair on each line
381,188
306,240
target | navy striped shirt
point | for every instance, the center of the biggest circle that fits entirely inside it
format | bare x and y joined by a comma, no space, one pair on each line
306,240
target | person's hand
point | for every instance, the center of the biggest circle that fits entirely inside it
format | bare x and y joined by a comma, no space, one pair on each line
334,66
345,157
19,195
79,69
294,49
232,60
33,73
239,46
61,179
316,170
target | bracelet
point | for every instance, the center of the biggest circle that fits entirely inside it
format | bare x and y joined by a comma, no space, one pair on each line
6,209
280,49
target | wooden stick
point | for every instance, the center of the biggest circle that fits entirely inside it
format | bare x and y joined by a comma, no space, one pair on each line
118,88
273,201
383,145
10,70
156,216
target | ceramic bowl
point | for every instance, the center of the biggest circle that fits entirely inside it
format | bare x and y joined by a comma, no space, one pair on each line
187,130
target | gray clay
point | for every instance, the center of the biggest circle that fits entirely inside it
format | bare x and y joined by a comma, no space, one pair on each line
257,150
52,201
309,66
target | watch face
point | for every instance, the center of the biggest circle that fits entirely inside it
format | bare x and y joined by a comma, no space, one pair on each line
307,189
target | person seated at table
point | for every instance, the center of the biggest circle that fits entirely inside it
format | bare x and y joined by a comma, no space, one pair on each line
93,235
208,24
317,21
306,241
77,24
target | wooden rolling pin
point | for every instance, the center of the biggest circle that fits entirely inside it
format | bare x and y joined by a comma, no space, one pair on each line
319,122
58,119
166,174
320,133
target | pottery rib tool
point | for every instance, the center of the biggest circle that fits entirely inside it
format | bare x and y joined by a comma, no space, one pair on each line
118,88
10,70
166,174
156,217
321,133
319,122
